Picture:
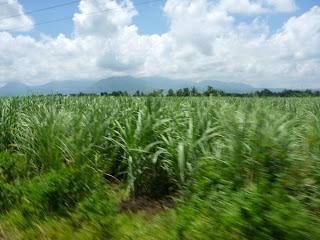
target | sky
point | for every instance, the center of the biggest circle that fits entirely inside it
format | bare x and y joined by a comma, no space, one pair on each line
264,43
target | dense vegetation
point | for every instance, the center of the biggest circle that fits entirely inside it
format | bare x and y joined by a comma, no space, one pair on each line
235,168
210,91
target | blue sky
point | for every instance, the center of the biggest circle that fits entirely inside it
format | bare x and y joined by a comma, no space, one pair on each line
264,43
150,18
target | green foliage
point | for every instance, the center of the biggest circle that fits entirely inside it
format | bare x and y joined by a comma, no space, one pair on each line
8,121
9,196
13,167
241,168
13,170
58,191
98,212
247,214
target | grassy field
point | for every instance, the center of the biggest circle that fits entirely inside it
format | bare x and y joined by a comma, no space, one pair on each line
159,168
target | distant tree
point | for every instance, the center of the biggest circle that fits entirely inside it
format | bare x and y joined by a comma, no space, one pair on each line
186,92
137,94
194,92
119,93
104,94
170,93
81,94
156,93
208,91
212,92
308,92
56,95
265,93
179,93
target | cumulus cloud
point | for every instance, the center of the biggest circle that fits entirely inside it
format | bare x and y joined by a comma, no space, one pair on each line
282,5
242,6
115,17
196,23
257,6
204,41
12,17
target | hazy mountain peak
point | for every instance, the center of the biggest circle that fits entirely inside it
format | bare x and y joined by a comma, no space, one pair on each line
123,83
14,88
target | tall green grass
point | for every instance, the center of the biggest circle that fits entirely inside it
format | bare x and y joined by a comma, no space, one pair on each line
155,143
230,158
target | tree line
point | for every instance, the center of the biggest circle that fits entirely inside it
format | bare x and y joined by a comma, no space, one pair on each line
210,91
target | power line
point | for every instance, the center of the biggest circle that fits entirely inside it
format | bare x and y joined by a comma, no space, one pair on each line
40,9
86,14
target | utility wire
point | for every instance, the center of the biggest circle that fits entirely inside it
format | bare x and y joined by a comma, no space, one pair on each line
40,9
86,14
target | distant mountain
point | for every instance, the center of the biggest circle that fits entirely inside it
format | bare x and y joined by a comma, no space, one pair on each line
15,89
131,85
63,87
128,83
228,87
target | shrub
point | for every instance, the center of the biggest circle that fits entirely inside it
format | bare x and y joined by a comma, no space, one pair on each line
12,167
13,170
247,214
58,192
9,196
97,212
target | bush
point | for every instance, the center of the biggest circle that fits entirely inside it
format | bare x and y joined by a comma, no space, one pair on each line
12,172
247,214
59,191
12,167
97,212
9,196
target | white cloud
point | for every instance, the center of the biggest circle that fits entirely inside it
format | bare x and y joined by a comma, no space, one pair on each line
243,6
256,6
282,5
12,17
204,42
103,17
196,23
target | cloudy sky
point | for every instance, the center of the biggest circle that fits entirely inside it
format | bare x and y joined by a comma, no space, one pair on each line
265,43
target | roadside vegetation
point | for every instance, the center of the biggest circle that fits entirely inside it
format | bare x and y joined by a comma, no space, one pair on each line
106,167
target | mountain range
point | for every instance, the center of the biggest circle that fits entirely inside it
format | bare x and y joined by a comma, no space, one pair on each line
128,83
